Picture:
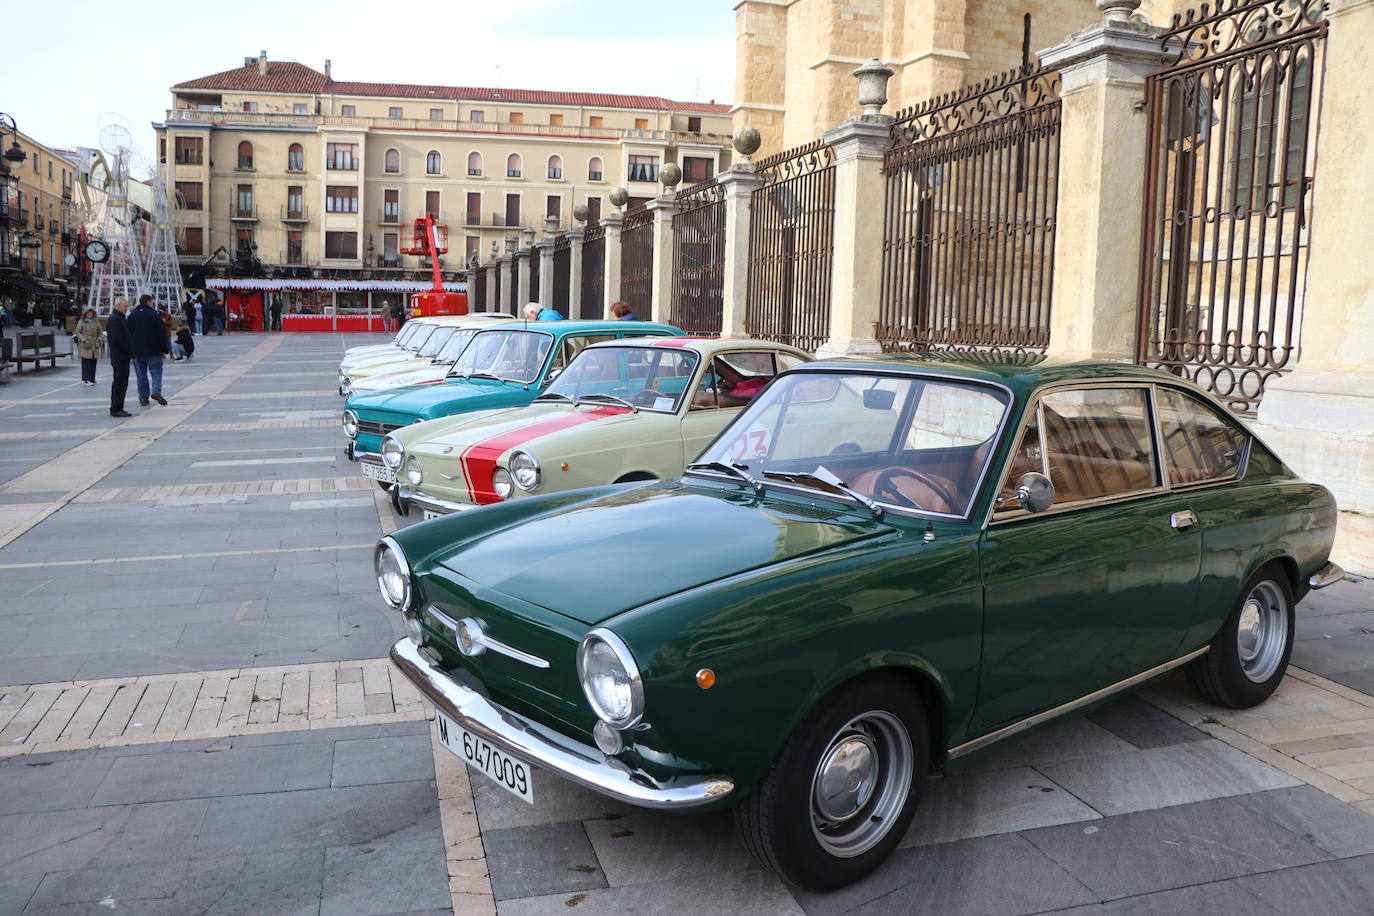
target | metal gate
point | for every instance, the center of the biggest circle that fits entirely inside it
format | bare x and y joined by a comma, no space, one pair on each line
1227,189
791,246
500,303
534,279
593,304
699,259
968,243
637,262
477,290
562,272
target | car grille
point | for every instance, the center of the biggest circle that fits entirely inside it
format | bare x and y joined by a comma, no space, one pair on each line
376,428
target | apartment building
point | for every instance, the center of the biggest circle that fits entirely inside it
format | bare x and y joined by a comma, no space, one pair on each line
327,175
38,226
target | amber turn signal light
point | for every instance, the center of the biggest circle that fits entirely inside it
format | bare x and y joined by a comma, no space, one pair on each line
706,678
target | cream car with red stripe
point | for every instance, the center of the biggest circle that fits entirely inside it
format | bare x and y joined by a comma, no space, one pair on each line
636,409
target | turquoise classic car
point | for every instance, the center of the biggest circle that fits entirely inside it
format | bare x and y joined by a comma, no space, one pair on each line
507,366
880,569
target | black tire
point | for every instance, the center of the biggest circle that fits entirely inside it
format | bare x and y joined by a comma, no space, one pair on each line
400,506
779,823
1223,676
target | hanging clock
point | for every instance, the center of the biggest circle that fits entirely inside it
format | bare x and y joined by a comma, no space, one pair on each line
97,252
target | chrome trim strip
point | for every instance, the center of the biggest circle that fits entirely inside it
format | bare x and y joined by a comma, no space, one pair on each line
580,763
1041,717
433,503
1327,575
371,457
482,639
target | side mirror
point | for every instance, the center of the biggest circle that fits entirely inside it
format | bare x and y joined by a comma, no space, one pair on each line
553,374
879,398
1034,492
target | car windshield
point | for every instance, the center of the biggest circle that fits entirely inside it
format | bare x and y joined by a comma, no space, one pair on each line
405,333
457,342
652,378
908,442
435,342
422,335
515,356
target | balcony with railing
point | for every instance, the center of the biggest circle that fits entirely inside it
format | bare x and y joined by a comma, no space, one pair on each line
295,214
240,213
389,217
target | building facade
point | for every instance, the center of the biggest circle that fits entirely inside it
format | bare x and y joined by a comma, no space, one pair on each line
280,162
38,228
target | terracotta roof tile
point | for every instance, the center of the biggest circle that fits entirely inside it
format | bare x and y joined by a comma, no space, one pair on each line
287,76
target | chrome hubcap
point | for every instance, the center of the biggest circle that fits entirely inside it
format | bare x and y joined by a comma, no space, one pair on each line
1262,632
861,783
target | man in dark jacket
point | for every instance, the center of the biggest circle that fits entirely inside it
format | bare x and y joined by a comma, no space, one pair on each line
148,340
121,351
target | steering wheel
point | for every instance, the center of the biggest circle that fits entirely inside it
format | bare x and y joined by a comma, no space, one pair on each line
885,485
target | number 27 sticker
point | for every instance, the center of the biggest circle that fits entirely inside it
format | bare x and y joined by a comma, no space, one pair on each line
752,443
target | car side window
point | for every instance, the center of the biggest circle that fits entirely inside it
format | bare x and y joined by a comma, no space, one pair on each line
1097,442
575,345
1198,445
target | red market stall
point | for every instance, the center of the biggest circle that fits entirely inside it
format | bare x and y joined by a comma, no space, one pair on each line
318,304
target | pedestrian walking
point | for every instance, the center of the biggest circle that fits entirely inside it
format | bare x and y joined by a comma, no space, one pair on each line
198,322
149,345
90,341
622,311
217,310
276,311
120,347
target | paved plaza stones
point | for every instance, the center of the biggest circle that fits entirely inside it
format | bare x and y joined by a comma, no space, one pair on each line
195,716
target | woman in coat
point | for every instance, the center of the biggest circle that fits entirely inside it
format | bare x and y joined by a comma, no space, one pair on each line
90,341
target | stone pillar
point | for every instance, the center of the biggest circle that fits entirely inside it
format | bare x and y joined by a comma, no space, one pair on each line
522,280
575,239
1320,417
738,182
543,250
610,279
856,278
1102,152
491,270
665,247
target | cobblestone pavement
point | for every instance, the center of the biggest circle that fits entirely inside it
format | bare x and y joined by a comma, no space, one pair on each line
196,717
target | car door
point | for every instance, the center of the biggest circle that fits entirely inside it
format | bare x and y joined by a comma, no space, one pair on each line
1100,586
711,409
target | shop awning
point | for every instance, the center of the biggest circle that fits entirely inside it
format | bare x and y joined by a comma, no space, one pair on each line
32,286
285,283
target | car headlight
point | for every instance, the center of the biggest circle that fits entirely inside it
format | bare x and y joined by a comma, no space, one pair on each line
393,573
501,483
610,679
413,473
393,453
525,470
350,424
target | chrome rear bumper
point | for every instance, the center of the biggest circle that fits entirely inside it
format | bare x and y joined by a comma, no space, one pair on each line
1325,576
514,735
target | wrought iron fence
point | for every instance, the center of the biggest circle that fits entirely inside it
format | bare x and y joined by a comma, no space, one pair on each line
1232,138
513,288
534,278
699,259
562,272
791,246
477,291
496,281
593,304
968,242
637,262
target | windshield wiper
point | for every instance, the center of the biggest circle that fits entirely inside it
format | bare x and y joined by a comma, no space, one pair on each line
820,483
608,397
495,378
553,395
734,470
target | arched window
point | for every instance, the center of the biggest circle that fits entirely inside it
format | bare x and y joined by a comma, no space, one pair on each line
555,166
245,155
594,171
433,162
295,158
392,161
474,163
513,165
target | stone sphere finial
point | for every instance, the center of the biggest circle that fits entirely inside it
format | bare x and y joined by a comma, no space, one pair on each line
619,197
873,77
1117,10
747,141
580,213
670,175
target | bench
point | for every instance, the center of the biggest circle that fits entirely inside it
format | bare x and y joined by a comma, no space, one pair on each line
33,345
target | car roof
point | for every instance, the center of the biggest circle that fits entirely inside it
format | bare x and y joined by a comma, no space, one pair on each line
703,345
1023,373
572,327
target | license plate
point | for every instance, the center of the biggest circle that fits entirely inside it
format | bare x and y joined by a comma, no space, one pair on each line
507,772
379,472
430,513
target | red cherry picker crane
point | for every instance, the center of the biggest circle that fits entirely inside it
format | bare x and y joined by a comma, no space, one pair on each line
431,240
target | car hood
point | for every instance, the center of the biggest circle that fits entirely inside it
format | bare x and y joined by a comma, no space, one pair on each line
512,427
426,374
593,561
472,394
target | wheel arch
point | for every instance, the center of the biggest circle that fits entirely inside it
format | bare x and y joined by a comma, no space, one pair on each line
636,477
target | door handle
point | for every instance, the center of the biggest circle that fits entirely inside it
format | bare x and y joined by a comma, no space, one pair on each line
1184,519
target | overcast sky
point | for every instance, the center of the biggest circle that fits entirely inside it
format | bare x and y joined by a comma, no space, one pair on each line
60,78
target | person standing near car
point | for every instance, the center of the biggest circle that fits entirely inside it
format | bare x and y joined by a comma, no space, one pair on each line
121,352
90,341
149,344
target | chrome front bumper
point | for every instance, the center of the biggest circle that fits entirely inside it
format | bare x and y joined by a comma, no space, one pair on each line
433,503
1326,576
583,764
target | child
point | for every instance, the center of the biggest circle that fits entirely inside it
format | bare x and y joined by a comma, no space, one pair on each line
184,346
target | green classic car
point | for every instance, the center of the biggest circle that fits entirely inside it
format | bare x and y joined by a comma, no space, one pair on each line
623,411
880,569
